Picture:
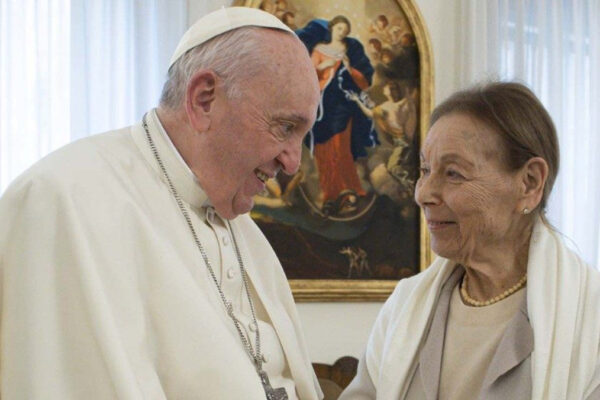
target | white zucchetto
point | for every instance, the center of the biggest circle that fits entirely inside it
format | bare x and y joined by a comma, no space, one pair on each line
221,21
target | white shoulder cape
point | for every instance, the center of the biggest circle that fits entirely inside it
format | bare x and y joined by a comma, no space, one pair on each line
99,289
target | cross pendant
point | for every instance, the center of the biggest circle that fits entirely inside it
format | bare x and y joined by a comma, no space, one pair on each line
272,393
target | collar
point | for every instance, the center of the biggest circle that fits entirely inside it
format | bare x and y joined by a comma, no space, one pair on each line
181,175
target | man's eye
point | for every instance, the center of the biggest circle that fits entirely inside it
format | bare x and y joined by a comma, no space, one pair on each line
424,171
288,127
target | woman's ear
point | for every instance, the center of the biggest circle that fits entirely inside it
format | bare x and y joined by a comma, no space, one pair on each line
199,99
533,176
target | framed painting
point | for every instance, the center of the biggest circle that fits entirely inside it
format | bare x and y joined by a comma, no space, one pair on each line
346,227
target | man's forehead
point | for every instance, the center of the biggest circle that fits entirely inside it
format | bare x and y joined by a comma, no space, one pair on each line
224,20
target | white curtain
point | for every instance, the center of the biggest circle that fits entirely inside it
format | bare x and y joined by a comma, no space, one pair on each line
34,82
553,46
70,68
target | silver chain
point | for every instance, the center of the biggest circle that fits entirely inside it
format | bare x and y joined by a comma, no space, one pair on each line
255,353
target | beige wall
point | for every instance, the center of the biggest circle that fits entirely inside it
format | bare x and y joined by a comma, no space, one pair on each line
337,329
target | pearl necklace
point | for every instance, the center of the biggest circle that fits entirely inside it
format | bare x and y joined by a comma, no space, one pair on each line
476,303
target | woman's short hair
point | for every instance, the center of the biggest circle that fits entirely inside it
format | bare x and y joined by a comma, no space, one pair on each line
515,113
336,20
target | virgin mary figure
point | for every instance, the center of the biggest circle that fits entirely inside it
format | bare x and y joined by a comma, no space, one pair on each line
341,132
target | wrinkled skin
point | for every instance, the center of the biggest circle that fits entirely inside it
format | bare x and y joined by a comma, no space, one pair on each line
234,144
473,203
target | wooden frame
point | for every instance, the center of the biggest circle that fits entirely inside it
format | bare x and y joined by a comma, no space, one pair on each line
375,56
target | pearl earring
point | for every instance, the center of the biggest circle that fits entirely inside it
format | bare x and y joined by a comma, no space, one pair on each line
526,211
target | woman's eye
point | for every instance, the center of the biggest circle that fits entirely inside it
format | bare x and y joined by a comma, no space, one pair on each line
424,171
453,174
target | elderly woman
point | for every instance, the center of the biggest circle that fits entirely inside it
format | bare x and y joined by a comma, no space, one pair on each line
506,311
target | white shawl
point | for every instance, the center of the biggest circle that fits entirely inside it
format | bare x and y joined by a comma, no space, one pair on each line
563,297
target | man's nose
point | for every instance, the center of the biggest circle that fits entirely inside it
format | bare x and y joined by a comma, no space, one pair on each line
290,157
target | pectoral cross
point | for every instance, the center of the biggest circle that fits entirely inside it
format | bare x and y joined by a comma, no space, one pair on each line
272,393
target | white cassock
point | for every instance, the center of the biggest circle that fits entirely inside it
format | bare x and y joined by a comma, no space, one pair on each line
104,292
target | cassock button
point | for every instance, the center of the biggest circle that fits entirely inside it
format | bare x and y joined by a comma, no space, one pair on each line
252,326
231,273
225,240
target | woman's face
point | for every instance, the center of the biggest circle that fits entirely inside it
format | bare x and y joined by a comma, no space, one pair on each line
468,196
339,31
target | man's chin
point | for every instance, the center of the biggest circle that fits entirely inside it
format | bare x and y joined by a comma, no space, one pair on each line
239,207
225,211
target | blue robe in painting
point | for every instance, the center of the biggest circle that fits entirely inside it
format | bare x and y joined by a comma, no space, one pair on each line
337,109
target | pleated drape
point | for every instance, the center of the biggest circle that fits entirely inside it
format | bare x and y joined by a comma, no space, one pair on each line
71,68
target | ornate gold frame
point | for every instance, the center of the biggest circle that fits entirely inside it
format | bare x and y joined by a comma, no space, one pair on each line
325,290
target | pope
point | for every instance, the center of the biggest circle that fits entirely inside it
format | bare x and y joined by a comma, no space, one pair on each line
130,268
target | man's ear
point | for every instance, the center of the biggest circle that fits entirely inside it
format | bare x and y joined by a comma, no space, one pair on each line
533,176
199,99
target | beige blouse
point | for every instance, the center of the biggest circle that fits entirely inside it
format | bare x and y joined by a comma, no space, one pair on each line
471,339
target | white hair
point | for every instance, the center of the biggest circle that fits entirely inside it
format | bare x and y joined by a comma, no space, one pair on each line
233,55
